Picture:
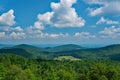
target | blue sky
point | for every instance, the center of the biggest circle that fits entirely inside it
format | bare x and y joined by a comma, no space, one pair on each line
60,21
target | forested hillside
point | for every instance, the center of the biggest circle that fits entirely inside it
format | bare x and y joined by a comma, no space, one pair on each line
27,51
13,67
67,62
67,47
108,52
111,52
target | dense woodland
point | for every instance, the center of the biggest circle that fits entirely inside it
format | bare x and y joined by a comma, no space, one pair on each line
14,67
66,62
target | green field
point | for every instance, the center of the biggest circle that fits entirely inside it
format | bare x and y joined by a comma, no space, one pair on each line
71,58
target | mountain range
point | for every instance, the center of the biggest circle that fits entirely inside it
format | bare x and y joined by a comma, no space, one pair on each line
48,53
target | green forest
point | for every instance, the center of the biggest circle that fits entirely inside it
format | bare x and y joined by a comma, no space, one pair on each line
13,67
66,62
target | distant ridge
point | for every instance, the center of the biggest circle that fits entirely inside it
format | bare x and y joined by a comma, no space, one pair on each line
24,49
29,51
112,46
107,52
23,45
26,46
66,47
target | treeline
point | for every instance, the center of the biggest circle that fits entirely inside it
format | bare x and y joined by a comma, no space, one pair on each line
13,67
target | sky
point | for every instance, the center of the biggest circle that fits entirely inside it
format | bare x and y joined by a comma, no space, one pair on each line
60,21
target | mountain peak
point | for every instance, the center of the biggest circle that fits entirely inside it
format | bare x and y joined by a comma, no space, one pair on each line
23,46
65,47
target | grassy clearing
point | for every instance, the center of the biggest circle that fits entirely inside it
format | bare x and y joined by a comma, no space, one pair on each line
66,58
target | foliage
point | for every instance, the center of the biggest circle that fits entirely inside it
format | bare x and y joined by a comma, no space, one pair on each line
13,67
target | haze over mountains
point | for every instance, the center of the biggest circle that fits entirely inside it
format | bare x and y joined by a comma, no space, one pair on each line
48,53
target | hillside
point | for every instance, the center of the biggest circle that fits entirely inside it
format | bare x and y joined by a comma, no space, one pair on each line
26,51
14,67
66,47
29,51
96,53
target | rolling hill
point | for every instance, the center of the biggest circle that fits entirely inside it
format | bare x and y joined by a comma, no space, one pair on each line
66,47
26,51
29,51
94,53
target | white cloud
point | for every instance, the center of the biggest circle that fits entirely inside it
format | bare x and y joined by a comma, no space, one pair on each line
37,33
109,7
58,35
111,32
98,1
67,17
46,17
48,35
2,34
106,21
18,28
7,20
84,35
37,28
63,15
17,35
95,12
54,35
32,30
38,25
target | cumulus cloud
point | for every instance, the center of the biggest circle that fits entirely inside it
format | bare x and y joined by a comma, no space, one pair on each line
111,32
18,28
48,35
102,20
6,24
35,31
17,35
84,35
109,7
2,34
36,28
7,20
98,1
31,30
63,15
46,17
58,35
95,12
38,25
